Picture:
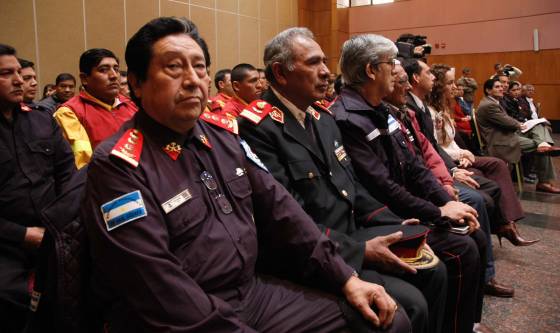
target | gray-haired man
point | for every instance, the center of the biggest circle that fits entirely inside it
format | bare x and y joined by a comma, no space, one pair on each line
396,177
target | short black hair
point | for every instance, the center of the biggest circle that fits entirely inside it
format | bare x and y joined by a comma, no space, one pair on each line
92,57
514,84
140,47
411,66
7,50
489,84
239,72
64,77
220,76
25,63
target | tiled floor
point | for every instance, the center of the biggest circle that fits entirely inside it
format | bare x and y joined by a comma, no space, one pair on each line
534,271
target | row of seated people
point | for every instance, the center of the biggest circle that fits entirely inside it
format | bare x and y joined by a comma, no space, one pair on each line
175,206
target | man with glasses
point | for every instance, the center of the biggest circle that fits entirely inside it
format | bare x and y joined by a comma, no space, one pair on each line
394,176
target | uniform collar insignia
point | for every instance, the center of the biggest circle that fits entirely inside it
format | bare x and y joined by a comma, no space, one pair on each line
173,149
204,139
315,114
277,115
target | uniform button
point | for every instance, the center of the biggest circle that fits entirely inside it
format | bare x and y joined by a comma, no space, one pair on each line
344,193
310,175
330,173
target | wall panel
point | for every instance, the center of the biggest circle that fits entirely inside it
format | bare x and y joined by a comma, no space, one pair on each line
235,30
99,34
60,47
539,68
18,30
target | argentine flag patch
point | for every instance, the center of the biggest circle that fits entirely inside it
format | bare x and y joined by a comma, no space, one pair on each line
123,209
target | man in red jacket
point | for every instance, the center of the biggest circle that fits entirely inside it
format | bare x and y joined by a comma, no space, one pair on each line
99,110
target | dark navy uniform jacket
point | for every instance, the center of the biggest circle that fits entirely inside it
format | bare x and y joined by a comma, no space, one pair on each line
322,180
187,241
382,160
35,164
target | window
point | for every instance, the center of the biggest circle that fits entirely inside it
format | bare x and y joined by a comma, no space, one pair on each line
356,3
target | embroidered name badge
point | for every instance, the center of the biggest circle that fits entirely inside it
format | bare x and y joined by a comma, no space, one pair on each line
393,124
252,156
123,209
176,201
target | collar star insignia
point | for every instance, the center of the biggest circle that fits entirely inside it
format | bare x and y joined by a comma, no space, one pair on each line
204,140
173,149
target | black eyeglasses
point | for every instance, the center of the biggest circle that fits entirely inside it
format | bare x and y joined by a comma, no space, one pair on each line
212,187
392,62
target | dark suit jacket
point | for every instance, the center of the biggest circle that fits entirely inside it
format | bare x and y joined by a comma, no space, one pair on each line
319,176
498,130
426,123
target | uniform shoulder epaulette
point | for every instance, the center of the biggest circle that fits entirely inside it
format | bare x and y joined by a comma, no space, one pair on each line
324,105
129,147
256,111
220,121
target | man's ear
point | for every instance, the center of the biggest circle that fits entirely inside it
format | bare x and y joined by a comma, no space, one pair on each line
370,71
83,78
135,84
235,86
415,78
221,85
278,71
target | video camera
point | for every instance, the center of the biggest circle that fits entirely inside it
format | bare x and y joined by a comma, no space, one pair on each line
413,46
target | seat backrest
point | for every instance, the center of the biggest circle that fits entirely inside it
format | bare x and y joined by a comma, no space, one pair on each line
476,129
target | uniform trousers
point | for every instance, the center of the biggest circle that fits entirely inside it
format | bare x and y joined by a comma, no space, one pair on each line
420,294
476,200
529,142
272,305
463,256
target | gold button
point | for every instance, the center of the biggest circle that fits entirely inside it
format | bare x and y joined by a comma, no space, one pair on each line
310,175
344,193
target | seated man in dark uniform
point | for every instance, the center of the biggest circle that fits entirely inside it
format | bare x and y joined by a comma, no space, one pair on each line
300,144
181,209
35,164
394,176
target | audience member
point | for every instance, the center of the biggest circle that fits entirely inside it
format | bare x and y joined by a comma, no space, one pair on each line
503,139
124,90
29,82
386,168
48,90
507,209
65,87
222,82
298,141
527,102
37,163
198,249
247,87
469,88
98,111
264,82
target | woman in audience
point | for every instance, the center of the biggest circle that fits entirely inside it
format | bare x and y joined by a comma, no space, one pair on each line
508,208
